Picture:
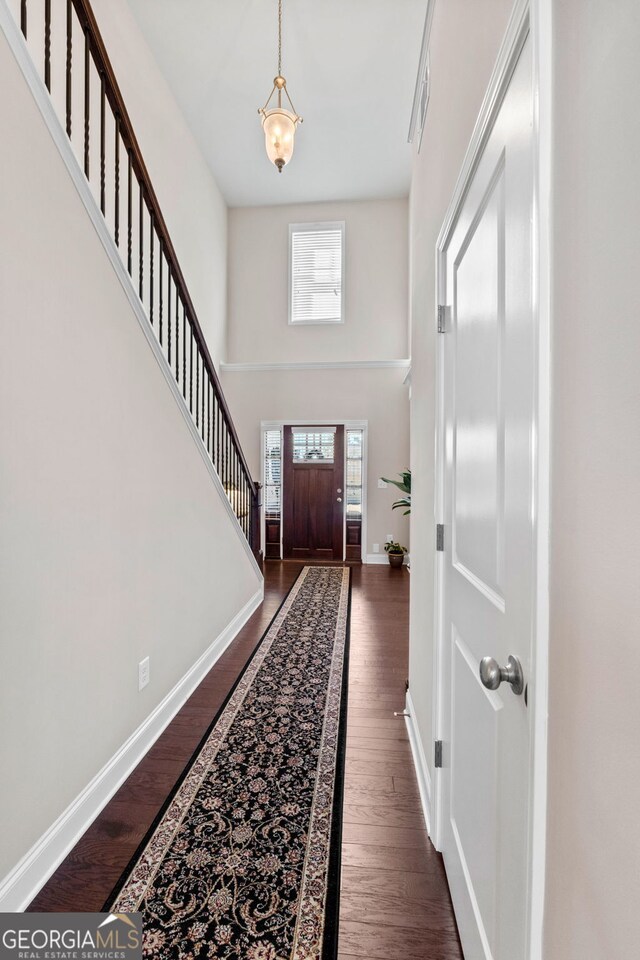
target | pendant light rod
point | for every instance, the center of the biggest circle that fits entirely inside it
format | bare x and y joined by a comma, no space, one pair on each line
279,38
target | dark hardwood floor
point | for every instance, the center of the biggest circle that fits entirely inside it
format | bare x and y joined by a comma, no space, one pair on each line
395,902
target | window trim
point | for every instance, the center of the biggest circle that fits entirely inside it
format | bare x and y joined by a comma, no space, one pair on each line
308,228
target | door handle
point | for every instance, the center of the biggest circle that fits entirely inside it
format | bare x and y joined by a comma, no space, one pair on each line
492,674
339,499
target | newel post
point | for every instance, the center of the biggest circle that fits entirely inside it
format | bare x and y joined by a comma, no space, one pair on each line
256,506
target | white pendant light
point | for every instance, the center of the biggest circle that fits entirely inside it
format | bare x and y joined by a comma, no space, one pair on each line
278,123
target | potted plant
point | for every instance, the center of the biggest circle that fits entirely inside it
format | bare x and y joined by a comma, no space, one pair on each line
396,553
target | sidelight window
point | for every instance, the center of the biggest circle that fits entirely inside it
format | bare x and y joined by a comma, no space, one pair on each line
354,474
272,474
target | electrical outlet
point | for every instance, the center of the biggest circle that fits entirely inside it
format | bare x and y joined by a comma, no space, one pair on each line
143,673
389,538
382,485
376,548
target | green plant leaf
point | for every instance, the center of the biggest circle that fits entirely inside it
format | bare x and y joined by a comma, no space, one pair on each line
401,485
405,486
394,547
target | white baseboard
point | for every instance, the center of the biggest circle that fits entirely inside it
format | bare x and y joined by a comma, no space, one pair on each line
21,885
419,762
382,558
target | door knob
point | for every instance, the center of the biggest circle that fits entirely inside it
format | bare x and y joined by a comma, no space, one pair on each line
339,499
492,674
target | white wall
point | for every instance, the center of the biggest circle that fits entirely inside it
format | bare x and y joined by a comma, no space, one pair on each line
375,284
114,544
192,205
464,47
378,396
593,879
376,328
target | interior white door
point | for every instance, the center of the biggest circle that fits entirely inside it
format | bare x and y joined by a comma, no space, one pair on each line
488,568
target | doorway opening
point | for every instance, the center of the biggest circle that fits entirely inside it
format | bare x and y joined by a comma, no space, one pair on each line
314,476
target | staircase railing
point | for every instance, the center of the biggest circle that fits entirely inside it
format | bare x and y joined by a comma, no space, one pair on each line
83,86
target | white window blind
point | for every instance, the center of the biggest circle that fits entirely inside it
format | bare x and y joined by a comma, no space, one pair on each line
316,265
354,474
313,446
272,474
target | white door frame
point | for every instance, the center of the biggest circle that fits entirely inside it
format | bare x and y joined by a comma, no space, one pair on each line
529,17
348,425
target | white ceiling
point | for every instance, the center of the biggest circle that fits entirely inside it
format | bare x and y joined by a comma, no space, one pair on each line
350,67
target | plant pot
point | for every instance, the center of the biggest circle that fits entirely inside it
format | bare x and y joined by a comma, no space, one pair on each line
396,559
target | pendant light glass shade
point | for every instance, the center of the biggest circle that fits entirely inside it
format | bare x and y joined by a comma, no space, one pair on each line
279,131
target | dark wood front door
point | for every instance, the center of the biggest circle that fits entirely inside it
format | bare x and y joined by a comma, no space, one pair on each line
313,493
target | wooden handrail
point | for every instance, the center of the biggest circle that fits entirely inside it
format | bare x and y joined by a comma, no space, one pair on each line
88,22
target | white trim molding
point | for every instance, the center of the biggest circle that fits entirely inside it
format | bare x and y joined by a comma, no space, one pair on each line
21,885
381,558
542,37
317,365
347,424
419,761
59,136
416,124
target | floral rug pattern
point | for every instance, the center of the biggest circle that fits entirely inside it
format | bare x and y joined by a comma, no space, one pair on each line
237,867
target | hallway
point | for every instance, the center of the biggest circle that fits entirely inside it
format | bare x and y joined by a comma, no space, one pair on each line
394,901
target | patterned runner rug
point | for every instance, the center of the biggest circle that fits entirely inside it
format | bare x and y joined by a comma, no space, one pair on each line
243,863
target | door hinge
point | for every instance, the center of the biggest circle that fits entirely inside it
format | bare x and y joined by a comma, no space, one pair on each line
442,318
440,537
437,754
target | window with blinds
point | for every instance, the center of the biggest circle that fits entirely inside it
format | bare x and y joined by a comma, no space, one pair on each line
272,474
316,272
310,445
354,474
